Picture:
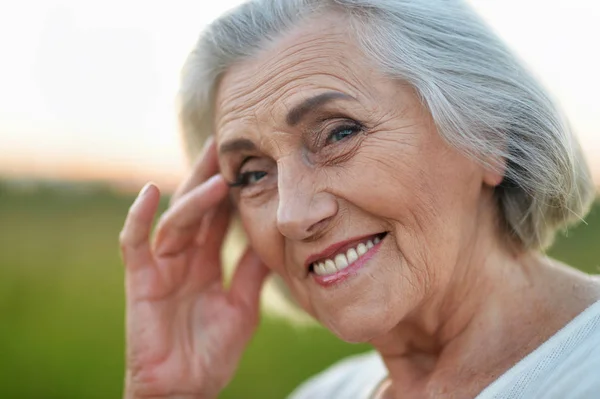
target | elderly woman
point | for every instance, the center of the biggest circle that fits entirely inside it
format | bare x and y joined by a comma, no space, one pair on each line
402,173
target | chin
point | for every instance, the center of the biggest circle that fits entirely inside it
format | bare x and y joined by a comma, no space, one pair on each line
359,324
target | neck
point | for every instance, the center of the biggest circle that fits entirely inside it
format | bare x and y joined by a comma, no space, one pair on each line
465,337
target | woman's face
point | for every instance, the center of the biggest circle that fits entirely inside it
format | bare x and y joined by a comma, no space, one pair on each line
328,155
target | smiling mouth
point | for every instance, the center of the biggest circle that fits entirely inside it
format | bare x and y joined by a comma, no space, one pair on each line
344,256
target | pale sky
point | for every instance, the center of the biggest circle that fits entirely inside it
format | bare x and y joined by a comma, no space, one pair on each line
87,87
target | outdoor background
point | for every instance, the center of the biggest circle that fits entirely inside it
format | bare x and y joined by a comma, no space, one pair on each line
87,117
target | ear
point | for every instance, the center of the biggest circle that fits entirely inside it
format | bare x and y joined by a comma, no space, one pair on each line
494,174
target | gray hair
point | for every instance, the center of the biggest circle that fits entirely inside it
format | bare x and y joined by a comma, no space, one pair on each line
483,101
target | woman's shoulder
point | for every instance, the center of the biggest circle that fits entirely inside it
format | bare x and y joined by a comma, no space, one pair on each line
564,366
578,375
356,376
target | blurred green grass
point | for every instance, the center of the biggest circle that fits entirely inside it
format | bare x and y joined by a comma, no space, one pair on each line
61,302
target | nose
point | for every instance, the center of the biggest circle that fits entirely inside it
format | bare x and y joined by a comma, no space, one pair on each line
303,210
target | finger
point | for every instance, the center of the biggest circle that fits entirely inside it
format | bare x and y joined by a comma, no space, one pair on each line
247,282
204,167
209,242
179,225
205,262
134,237
207,222
210,222
214,226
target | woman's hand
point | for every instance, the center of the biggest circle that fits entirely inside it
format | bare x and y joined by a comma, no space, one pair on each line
185,332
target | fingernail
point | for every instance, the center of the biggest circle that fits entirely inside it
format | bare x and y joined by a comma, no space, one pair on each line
145,189
214,178
143,192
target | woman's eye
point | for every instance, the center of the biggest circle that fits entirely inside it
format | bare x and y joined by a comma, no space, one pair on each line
248,178
341,133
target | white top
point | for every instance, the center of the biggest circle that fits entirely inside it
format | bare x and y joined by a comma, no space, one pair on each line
567,365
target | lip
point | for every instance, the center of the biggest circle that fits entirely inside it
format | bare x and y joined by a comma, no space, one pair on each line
336,248
333,279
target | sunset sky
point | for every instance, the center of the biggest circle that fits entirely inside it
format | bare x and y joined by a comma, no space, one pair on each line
87,87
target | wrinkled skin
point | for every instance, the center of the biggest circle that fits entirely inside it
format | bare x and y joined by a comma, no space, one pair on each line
442,298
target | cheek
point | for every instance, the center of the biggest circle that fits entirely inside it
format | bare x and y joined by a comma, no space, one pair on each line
411,179
387,179
423,194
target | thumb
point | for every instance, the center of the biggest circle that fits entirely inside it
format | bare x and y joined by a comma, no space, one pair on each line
247,282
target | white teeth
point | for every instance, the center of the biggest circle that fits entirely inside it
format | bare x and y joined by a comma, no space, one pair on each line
320,269
330,267
341,262
351,255
361,249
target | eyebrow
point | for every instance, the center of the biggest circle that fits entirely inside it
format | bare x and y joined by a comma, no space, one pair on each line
298,112
237,145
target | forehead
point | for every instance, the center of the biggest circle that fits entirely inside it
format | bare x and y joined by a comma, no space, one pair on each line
317,57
